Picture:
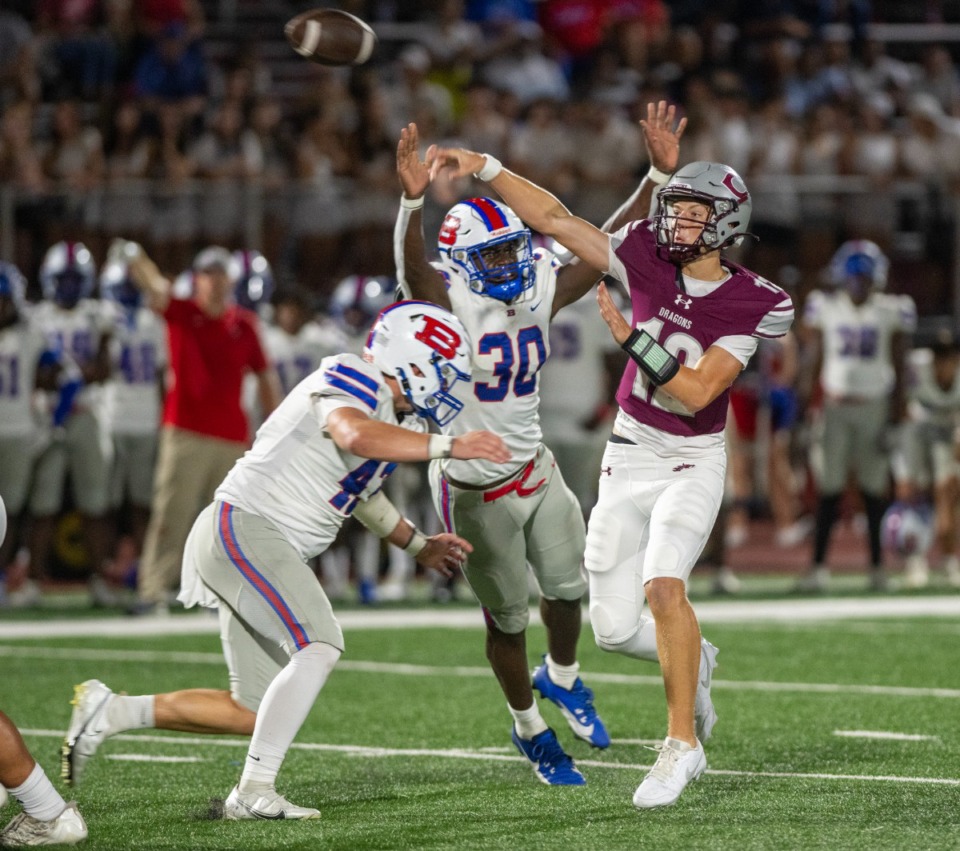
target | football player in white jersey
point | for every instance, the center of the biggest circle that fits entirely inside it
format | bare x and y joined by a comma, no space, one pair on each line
926,460
23,348
507,294
81,326
859,335
697,318
132,396
320,457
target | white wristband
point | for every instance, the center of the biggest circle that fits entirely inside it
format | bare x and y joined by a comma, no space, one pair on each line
491,168
411,203
657,176
416,543
439,446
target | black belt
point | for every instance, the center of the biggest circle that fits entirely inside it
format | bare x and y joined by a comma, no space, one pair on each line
616,438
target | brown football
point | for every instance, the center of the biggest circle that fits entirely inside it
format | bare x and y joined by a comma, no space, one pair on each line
331,37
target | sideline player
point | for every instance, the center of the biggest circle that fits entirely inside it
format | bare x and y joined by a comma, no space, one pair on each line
696,321
320,457
507,294
859,336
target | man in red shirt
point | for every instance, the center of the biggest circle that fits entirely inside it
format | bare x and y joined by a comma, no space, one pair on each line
213,343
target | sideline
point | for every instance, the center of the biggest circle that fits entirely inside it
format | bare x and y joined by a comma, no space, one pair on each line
708,611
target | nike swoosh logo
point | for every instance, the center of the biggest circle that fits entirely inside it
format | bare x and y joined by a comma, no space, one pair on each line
275,817
254,758
535,306
587,731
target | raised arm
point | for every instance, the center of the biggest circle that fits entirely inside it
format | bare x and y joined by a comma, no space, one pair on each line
541,210
144,273
417,278
661,135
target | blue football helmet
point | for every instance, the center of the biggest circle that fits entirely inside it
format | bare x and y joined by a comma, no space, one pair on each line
117,286
490,244
859,267
67,273
254,280
358,299
12,283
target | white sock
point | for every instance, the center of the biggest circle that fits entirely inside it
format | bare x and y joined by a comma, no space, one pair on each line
562,675
527,722
283,710
38,796
130,713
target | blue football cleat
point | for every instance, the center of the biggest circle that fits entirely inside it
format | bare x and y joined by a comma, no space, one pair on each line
576,704
550,763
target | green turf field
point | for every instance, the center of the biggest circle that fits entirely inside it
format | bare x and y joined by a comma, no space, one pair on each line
833,735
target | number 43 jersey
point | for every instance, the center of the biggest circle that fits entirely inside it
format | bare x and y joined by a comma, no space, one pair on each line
687,321
294,475
510,345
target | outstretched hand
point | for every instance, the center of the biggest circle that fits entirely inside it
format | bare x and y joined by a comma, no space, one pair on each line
619,327
444,553
459,161
414,174
662,135
481,444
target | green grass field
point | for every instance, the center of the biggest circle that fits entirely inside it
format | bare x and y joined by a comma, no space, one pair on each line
836,734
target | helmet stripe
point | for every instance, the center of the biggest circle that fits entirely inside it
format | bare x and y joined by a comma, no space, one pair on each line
492,217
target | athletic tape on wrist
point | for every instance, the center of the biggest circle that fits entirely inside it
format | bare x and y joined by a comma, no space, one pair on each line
657,176
439,446
491,168
411,203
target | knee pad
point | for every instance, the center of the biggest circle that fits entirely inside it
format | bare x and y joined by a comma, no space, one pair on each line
637,640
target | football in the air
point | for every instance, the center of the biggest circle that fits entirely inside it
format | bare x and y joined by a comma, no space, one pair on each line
331,37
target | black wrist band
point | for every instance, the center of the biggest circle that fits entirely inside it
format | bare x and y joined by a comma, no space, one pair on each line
655,361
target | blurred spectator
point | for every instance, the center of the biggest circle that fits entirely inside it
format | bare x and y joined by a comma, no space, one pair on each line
84,55
411,96
173,69
127,158
276,146
73,160
483,127
228,157
526,71
940,79
174,221
573,32
319,220
18,61
541,147
155,16
212,344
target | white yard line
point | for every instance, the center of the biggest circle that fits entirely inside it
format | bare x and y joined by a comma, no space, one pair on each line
458,753
881,734
708,611
404,669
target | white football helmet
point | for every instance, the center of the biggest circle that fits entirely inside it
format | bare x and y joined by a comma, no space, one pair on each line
254,280
859,267
357,299
12,283
721,189
67,273
487,240
907,529
427,350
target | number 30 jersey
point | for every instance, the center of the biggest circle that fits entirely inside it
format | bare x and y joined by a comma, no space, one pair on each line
294,475
510,345
687,322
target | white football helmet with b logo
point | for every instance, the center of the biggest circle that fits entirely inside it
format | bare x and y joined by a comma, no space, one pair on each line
718,187
427,350
490,244
67,273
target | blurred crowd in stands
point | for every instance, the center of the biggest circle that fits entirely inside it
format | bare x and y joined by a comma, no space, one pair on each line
180,123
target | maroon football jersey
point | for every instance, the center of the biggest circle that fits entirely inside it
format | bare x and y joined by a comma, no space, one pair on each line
686,325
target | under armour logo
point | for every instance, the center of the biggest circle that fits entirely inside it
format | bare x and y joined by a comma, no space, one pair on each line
686,302
681,467
606,471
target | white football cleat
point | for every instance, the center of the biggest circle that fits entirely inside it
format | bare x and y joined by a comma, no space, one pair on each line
704,714
268,804
815,582
25,831
916,572
3,797
677,765
88,728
